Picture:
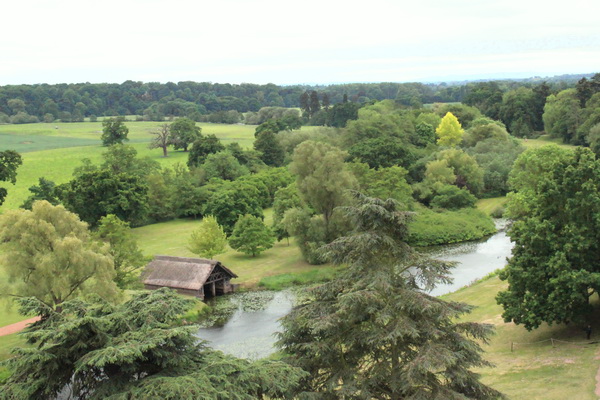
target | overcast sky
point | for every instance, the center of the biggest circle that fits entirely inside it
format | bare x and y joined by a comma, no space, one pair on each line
309,41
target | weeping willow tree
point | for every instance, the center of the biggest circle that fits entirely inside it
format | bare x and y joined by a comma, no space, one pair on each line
137,350
374,332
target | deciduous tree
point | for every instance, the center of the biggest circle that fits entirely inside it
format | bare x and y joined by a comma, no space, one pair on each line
127,257
162,139
114,131
449,132
209,239
48,254
554,268
184,132
10,160
251,236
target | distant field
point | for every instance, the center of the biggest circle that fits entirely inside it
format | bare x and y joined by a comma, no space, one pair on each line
533,371
544,140
54,153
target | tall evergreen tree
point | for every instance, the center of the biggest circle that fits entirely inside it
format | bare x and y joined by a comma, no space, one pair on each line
314,103
374,332
136,350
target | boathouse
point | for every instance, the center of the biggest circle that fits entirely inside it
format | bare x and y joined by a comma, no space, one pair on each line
197,277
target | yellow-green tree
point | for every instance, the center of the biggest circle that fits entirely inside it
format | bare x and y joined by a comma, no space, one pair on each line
209,239
449,132
47,253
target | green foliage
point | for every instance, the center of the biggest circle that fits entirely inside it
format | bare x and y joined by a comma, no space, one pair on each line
452,198
44,191
562,115
309,231
383,183
464,113
496,158
468,173
251,236
223,165
93,195
482,129
368,333
209,239
286,198
486,96
114,131
554,268
322,178
136,351
127,257
48,254
184,132
271,151
430,228
230,201
9,162
449,132
519,112
201,148
382,152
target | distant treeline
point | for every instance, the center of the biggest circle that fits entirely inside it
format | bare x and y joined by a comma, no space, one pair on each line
156,101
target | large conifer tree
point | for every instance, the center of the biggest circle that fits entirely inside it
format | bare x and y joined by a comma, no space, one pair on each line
373,332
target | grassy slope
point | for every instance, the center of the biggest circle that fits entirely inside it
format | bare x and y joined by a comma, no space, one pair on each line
170,238
536,371
489,205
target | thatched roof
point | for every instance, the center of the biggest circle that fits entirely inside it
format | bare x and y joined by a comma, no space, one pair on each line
181,272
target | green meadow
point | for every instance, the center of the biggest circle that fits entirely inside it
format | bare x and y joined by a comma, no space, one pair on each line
53,151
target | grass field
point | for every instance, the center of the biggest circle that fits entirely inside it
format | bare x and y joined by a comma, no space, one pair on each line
533,371
544,140
170,238
489,205
55,153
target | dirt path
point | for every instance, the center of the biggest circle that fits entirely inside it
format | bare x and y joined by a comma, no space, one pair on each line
17,327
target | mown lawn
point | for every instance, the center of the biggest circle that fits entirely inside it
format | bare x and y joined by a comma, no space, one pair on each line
170,238
533,371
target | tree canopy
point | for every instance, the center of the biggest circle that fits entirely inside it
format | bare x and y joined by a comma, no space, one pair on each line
372,332
48,254
136,350
114,131
251,236
555,264
209,239
10,160
449,132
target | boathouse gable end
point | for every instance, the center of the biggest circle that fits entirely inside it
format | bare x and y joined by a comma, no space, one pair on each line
190,276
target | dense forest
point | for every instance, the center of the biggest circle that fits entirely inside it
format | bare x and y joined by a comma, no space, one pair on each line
215,102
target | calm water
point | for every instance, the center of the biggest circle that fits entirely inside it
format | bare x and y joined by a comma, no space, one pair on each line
250,334
474,259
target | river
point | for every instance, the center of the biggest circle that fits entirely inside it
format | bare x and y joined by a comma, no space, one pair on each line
251,334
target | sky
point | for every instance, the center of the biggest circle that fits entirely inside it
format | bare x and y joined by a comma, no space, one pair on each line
304,42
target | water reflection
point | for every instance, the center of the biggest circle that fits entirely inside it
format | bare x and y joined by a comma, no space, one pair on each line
250,334
474,259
